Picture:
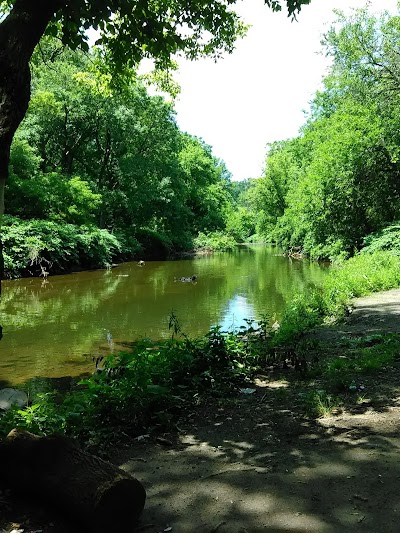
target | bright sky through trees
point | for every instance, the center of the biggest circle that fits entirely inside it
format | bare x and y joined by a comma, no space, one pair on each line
258,94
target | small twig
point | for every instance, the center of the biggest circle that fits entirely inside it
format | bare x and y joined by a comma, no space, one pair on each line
228,470
164,442
215,529
145,526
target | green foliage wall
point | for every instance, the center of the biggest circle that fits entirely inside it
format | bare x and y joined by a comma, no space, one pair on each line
89,154
32,244
339,180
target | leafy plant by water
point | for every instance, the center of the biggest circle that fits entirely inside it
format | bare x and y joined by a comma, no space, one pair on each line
358,276
216,241
386,239
28,244
145,387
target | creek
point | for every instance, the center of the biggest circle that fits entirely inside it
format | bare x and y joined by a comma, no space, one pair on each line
54,328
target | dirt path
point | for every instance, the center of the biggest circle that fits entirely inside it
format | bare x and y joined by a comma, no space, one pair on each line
256,463
376,313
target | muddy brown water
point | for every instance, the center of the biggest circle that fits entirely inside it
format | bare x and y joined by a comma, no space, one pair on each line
54,328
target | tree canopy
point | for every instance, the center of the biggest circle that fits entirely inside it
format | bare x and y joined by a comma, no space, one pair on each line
129,31
86,155
338,181
137,28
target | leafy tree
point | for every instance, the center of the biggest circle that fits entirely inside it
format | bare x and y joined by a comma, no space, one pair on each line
269,193
87,154
34,194
124,144
206,182
130,30
240,224
239,189
339,180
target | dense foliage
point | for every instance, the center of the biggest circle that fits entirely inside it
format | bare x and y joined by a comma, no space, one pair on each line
127,32
114,162
133,29
95,149
38,247
386,239
358,276
338,181
145,388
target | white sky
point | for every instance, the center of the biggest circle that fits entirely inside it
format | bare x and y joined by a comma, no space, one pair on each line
257,95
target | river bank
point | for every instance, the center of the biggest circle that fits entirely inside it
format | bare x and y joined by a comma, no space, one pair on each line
55,327
260,462
42,248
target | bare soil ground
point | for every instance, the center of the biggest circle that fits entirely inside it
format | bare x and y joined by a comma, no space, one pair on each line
258,463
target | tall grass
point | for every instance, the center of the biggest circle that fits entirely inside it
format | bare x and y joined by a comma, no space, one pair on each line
358,276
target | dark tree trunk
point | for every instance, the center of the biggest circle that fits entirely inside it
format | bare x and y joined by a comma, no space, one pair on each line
20,32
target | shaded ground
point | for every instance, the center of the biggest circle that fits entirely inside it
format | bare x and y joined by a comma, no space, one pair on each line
257,463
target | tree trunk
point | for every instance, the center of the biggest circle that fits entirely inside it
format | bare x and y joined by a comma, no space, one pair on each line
20,32
54,471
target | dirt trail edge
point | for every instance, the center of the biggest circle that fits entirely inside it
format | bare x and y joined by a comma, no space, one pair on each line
256,463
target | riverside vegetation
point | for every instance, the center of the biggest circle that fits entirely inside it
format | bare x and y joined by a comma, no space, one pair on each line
109,168
153,384
99,175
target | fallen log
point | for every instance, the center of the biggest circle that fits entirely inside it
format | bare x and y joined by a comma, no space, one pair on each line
54,471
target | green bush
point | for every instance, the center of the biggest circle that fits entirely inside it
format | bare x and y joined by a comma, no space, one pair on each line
348,279
58,247
256,239
146,387
215,241
386,239
359,276
240,224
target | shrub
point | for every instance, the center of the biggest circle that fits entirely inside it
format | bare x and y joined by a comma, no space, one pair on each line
145,387
348,279
63,246
386,239
216,241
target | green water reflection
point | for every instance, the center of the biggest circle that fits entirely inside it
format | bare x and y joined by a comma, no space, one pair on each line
51,327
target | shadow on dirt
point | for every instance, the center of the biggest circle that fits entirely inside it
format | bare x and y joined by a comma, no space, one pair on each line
258,464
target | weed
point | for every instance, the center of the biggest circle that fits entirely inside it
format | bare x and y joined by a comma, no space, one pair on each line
321,403
42,417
